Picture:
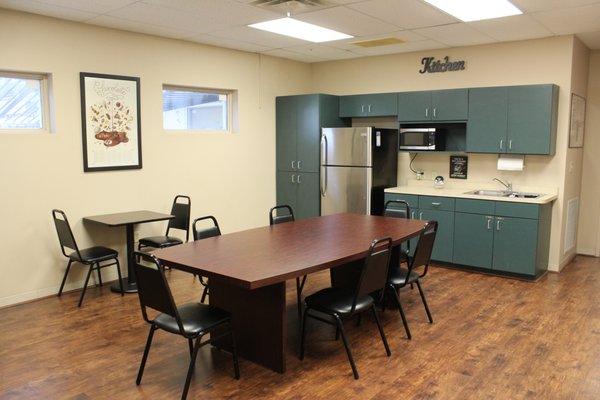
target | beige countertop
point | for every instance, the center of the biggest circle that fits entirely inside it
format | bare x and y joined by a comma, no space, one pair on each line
425,188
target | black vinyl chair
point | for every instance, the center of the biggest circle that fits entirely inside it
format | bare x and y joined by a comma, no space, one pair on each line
181,211
343,303
204,233
399,277
276,217
192,321
399,209
92,256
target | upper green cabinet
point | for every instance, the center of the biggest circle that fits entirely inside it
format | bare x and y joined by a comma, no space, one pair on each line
368,105
514,119
437,105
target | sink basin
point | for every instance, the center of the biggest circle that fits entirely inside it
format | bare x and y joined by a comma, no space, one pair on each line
504,193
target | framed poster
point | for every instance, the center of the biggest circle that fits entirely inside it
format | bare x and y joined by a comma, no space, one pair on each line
577,124
110,119
459,167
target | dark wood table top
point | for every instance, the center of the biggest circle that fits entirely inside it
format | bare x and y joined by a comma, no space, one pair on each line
128,218
272,254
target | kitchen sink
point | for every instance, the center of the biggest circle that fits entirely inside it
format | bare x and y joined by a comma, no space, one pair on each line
504,193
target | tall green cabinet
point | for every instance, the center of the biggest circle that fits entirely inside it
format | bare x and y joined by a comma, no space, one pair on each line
299,120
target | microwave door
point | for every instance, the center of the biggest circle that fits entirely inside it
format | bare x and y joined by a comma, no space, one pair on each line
417,139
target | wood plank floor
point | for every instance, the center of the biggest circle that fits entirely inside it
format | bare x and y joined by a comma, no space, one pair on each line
493,338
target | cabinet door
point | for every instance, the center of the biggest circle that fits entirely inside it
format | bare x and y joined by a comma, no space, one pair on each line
515,244
352,106
381,105
531,119
308,133
473,240
285,132
487,126
308,200
286,188
450,105
414,106
443,247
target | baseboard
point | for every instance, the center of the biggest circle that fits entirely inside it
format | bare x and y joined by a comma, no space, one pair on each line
587,252
566,261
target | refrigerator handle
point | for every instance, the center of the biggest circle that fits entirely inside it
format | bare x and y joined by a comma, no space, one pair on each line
324,149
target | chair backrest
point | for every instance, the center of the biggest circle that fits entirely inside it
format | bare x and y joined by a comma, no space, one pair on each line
65,234
153,289
205,232
181,211
396,209
374,272
276,218
422,255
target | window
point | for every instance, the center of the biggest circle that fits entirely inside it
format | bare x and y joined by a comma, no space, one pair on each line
197,109
23,102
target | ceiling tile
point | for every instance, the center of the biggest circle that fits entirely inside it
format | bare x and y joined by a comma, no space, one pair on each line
36,7
407,36
228,43
257,36
542,5
400,48
348,21
293,55
407,14
322,51
591,39
571,20
117,23
517,27
455,35
94,6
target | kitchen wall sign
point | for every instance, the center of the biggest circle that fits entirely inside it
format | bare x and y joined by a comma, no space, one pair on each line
459,167
431,65
110,119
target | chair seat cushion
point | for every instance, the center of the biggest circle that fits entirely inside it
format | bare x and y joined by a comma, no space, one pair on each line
337,300
160,241
94,254
196,318
401,277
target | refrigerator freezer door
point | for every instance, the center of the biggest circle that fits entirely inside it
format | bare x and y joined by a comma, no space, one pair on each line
346,146
346,189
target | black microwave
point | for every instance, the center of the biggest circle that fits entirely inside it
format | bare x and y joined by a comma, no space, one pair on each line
421,139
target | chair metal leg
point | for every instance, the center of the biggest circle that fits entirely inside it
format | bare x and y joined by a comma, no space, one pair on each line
424,302
303,333
404,322
348,352
191,345
383,338
119,276
99,274
236,365
145,356
204,293
188,379
62,285
87,279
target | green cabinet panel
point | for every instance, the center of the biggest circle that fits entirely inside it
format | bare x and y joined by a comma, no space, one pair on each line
473,240
286,188
475,206
412,200
352,106
443,247
450,105
308,200
308,133
414,106
488,119
515,245
286,132
436,203
519,210
369,105
532,113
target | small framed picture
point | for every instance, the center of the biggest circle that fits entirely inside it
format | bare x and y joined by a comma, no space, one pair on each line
577,121
459,166
110,119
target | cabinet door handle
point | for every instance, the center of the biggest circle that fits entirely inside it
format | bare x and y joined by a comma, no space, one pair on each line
298,180
412,215
497,224
369,108
434,112
293,181
501,144
299,165
489,223
293,166
421,215
436,204
362,108
510,144
426,111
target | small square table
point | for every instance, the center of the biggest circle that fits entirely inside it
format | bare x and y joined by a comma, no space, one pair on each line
128,219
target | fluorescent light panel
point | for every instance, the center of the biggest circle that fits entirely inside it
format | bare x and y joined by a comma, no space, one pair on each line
300,30
476,10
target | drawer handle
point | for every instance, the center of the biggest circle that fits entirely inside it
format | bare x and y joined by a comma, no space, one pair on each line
436,204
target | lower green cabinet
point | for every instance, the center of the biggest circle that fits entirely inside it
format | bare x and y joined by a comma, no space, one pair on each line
300,191
442,249
515,245
473,240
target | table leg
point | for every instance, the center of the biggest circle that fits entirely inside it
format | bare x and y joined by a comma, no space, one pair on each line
129,283
259,320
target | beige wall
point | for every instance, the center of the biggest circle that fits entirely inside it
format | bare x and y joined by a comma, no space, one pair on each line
588,241
230,176
515,63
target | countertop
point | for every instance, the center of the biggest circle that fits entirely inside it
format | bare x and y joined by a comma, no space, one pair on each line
425,188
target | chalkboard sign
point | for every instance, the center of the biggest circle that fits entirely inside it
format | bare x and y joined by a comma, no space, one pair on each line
458,167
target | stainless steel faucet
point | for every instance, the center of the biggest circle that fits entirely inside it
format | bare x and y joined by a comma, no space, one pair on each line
508,185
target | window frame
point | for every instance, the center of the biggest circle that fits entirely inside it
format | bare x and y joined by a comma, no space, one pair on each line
230,101
44,98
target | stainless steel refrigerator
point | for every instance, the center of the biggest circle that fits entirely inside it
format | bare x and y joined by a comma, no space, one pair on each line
357,164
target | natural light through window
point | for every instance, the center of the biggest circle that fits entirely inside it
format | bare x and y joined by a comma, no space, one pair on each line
22,102
196,109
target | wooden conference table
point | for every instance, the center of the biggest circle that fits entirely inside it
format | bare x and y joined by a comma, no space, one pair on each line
248,270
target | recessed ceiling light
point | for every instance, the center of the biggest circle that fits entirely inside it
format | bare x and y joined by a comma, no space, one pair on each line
475,10
300,30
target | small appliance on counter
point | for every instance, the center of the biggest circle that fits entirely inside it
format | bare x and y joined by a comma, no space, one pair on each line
438,182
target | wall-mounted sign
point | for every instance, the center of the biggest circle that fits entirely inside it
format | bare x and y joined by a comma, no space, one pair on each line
431,65
458,167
